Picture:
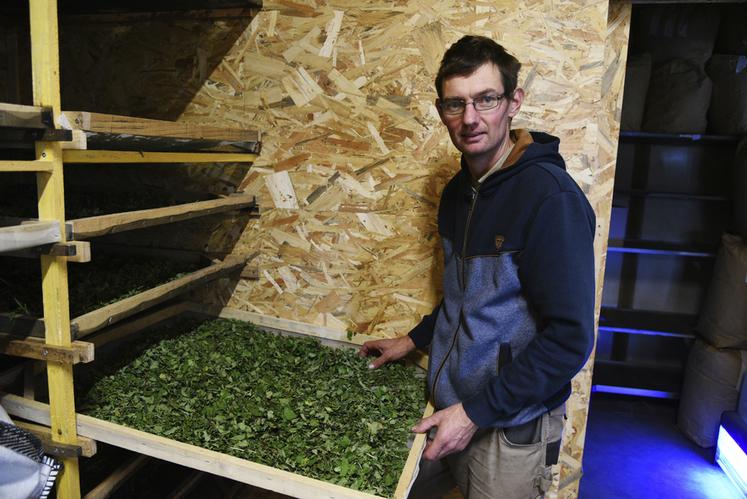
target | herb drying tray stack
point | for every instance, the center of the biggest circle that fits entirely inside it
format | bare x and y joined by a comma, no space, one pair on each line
280,412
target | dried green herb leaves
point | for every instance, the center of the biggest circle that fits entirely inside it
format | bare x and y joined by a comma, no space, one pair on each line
286,402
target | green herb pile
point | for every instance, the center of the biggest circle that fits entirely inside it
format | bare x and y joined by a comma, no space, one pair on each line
91,285
287,402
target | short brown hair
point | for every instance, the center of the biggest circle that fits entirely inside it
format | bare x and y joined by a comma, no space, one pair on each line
469,53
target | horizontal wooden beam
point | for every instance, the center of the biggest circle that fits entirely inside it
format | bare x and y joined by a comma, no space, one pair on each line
84,228
185,488
37,348
29,234
25,166
19,325
117,478
191,456
110,314
86,447
113,124
137,325
72,251
132,157
19,116
129,142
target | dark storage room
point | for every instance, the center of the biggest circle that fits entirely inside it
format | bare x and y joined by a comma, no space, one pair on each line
269,249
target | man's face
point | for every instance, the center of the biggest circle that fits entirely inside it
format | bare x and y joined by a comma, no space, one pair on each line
481,136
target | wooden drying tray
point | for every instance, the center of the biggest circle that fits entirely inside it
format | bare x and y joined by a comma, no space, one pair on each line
81,326
110,133
214,462
85,228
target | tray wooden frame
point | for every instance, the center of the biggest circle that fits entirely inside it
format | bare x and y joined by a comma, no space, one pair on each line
216,463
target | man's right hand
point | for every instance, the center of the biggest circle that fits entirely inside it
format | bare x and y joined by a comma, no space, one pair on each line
387,350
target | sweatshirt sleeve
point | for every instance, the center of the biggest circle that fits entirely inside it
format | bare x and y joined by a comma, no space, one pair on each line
422,334
556,271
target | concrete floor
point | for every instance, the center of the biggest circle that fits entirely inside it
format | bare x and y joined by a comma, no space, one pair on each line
634,450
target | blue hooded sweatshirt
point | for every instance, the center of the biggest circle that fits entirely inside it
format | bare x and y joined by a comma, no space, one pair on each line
516,322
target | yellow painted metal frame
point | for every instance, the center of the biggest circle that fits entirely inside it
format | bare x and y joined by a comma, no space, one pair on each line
94,156
51,195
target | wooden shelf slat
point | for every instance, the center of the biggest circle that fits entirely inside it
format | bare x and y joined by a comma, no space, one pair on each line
136,325
19,116
115,312
87,446
113,124
117,478
25,166
37,348
132,157
85,228
23,326
29,234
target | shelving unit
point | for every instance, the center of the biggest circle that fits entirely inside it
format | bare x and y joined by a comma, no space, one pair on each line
72,138
670,207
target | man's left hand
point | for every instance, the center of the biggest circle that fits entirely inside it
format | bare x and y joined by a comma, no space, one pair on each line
455,430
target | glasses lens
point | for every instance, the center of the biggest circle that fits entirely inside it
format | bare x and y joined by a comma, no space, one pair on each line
454,106
487,102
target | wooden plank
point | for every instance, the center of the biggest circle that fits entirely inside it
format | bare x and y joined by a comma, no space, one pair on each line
84,228
86,446
192,456
117,478
21,325
137,325
132,157
36,348
19,116
79,141
29,234
112,124
25,166
412,465
187,486
51,193
110,314
73,251
129,142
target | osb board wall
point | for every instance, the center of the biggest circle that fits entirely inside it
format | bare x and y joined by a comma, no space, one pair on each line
354,156
615,57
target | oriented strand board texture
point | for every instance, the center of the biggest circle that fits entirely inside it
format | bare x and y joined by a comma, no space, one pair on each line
615,58
354,156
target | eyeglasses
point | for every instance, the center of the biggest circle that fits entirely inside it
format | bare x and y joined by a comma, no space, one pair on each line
454,107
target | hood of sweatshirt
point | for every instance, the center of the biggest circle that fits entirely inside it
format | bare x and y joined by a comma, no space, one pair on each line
530,148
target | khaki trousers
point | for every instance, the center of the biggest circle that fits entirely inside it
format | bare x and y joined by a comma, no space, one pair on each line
505,463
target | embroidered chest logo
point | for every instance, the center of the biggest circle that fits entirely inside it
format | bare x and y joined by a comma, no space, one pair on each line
499,241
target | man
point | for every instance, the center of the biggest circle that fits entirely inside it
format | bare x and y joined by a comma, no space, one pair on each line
516,320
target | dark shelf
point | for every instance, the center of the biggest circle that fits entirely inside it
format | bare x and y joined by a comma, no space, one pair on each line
638,193
641,247
647,322
678,137
660,381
